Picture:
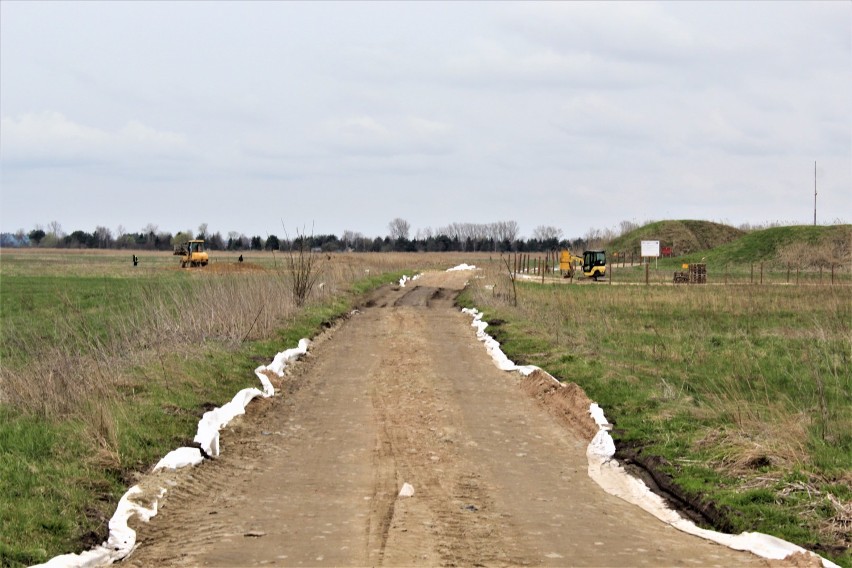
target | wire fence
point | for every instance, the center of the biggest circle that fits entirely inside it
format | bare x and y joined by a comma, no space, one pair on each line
627,268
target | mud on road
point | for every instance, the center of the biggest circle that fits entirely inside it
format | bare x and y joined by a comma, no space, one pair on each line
402,392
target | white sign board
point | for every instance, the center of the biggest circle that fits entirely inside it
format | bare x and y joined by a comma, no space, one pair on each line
651,248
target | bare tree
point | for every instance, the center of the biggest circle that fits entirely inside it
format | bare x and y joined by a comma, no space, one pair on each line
351,238
512,277
104,237
547,232
54,228
593,238
506,231
354,240
303,267
150,232
202,231
476,233
450,231
627,226
424,234
399,229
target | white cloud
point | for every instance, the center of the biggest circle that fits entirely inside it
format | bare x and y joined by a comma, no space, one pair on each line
137,134
50,138
47,134
490,63
624,30
597,115
506,109
389,136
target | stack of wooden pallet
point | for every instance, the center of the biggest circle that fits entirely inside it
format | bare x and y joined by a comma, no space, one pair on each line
697,273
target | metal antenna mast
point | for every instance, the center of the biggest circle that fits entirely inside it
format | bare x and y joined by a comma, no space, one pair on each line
815,193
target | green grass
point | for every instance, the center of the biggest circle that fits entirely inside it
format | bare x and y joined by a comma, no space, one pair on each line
723,244
720,245
57,491
64,305
64,467
734,387
684,236
649,355
765,245
44,488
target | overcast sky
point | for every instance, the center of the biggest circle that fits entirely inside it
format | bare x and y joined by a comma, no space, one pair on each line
255,117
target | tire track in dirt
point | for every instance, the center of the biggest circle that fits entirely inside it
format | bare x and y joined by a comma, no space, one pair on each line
385,485
403,392
440,525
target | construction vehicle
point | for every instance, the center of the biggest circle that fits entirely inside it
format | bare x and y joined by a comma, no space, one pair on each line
593,263
568,263
192,253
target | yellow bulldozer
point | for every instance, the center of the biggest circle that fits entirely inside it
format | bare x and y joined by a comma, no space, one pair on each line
592,263
192,253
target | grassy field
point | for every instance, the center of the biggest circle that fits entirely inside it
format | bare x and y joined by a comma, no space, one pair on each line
661,272
741,393
797,246
106,367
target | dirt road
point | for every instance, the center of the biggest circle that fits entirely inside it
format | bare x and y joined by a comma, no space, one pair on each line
402,392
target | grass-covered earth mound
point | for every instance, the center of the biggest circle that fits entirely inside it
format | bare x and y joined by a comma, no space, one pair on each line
684,236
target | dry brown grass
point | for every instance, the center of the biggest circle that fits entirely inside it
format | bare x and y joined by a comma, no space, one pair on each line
743,390
738,331
742,448
227,303
807,255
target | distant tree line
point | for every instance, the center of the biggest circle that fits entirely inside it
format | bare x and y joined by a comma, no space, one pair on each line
501,236
149,238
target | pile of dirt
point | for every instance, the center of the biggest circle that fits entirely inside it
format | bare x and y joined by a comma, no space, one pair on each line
233,267
566,401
